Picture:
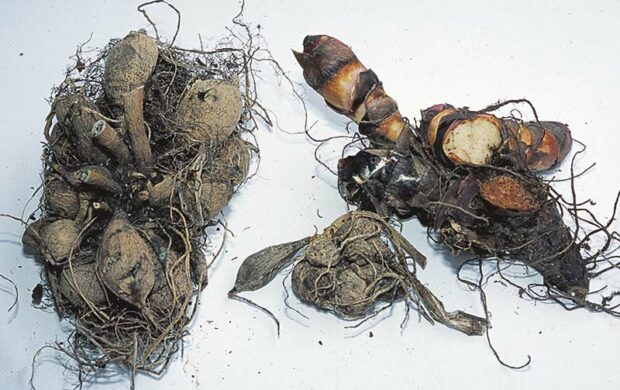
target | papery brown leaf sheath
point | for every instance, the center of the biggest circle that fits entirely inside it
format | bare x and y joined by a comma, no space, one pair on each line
348,87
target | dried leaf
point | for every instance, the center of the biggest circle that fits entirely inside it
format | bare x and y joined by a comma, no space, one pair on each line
261,267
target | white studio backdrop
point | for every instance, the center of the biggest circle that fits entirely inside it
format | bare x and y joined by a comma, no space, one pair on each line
562,55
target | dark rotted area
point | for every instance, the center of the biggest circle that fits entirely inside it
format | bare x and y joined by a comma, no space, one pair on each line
415,183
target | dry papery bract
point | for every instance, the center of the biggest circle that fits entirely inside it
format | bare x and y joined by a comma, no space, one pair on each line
146,145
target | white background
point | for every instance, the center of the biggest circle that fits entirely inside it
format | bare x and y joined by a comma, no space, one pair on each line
563,55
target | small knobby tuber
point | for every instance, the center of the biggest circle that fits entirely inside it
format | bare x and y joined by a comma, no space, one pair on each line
332,69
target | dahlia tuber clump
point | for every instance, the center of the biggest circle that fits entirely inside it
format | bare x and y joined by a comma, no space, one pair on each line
145,148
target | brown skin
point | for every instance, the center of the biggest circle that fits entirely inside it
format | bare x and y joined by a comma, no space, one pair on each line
508,192
332,69
133,102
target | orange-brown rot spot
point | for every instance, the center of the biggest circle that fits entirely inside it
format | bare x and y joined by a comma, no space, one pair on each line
509,193
339,89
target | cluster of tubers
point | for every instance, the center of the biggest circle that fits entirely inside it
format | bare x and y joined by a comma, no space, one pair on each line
471,176
143,156
357,264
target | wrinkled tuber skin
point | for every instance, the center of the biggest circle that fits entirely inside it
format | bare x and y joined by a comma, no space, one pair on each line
173,283
209,111
434,172
129,64
349,268
126,263
357,262
80,285
58,239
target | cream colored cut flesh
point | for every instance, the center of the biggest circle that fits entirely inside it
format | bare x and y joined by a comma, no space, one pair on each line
473,141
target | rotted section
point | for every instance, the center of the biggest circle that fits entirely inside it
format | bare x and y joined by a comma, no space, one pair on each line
458,136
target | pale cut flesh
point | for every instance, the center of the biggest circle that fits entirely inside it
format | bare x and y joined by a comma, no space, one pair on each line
472,141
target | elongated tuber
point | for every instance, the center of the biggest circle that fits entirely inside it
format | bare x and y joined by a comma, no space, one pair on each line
110,141
133,105
332,69
95,177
